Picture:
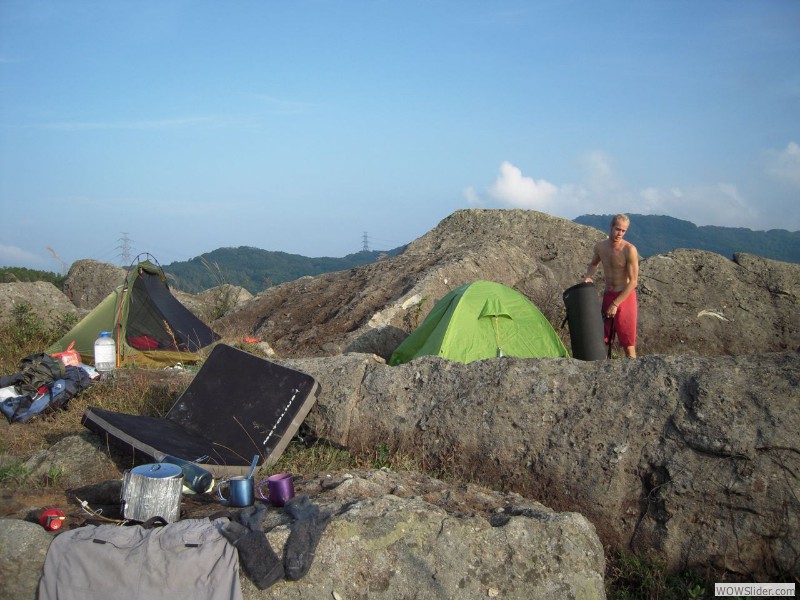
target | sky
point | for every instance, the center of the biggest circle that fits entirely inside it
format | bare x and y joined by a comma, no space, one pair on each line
323,127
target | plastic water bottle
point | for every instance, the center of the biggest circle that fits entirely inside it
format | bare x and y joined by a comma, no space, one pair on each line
105,353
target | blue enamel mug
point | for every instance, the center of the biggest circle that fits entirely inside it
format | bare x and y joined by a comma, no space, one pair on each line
236,491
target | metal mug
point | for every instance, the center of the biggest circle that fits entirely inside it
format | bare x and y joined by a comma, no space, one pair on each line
240,491
280,489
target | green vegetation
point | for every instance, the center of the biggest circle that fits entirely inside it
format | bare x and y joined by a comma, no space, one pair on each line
632,577
256,270
14,274
53,476
655,234
13,473
224,294
26,334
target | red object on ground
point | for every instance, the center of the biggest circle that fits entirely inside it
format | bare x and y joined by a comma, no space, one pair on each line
52,518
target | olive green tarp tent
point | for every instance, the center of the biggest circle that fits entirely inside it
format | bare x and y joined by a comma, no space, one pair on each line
148,324
479,320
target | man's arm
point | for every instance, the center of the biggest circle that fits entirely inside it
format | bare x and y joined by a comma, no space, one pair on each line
592,266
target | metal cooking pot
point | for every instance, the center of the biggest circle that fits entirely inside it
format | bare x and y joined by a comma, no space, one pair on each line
152,490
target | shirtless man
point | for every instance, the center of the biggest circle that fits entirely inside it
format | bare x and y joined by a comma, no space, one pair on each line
621,269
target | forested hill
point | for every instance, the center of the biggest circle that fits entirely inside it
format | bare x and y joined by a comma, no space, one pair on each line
654,234
256,270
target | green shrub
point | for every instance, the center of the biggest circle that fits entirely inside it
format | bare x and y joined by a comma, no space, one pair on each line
27,334
14,472
634,577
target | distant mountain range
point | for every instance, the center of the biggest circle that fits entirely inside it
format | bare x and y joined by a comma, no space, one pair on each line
255,269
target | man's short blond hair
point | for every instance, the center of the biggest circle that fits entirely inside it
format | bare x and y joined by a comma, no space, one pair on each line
620,217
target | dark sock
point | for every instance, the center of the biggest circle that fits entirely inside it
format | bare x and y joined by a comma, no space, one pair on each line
304,537
258,559
253,517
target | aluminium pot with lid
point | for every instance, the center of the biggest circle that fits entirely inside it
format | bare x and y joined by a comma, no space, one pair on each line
152,490
158,470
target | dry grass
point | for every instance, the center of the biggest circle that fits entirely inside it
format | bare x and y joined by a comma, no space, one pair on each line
149,392
132,391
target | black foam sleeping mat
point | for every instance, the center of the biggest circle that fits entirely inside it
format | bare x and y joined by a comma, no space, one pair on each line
236,407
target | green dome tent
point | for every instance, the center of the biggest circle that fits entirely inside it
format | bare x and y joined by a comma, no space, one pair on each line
479,320
148,324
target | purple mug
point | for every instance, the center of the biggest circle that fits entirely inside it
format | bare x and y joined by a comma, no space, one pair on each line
280,489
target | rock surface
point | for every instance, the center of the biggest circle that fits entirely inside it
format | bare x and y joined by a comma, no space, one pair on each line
697,302
212,303
391,535
45,300
23,547
90,281
693,458
372,308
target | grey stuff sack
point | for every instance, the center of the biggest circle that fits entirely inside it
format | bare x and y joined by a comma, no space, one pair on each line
187,559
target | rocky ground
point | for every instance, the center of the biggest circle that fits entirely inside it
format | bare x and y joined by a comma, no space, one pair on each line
688,452
389,535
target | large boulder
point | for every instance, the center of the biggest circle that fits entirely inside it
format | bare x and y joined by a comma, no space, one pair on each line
72,461
214,302
693,301
195,305
23,547
226,296
90,281
693,458
45,301
398,535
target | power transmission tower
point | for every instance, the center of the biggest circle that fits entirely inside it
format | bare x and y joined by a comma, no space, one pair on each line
365,244
125,249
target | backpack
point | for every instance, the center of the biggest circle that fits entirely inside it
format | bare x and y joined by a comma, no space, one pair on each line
45,384
34,372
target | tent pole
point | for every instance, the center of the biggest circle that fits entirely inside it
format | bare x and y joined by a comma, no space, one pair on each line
497,337
118,324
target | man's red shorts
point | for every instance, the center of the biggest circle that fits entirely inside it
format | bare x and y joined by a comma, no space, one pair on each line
625,319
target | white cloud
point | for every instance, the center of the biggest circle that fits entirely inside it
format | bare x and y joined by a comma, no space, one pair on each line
785,165
603,192
512,189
